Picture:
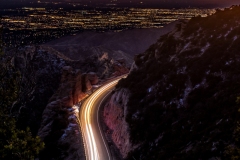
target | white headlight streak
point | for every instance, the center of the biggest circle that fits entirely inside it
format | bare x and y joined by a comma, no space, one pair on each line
93,147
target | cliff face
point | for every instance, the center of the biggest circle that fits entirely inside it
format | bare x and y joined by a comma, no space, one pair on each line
59,128
114,114
183,92
68,94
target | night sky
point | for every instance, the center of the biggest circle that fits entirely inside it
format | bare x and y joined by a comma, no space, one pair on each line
158,3
172,2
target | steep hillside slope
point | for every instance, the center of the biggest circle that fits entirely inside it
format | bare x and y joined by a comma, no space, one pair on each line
59,128
179,101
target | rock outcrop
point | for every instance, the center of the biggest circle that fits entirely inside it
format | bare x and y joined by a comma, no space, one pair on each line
120,67
60,118
115,113
93,78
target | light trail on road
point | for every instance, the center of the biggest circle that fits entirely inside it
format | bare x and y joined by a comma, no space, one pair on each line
94,142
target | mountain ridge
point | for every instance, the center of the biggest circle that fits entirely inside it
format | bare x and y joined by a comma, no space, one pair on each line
126,43
185,106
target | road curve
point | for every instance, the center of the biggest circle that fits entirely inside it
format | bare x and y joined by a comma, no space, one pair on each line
94,143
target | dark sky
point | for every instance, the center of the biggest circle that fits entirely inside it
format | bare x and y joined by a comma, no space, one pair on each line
180,1
159,3
173,2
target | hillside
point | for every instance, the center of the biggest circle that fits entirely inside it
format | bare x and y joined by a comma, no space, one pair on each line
61,73
48,86
179,101
123,44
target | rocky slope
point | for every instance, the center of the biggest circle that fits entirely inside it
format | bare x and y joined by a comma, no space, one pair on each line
114,114
181,93
59,128
43,74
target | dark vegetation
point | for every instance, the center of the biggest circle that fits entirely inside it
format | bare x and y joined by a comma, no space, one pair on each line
28,78
40,76
15,142
185,91
54,150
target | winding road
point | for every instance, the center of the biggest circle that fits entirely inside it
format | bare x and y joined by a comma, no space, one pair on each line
96,147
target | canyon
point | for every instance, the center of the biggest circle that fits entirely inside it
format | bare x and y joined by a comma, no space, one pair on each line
54,82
